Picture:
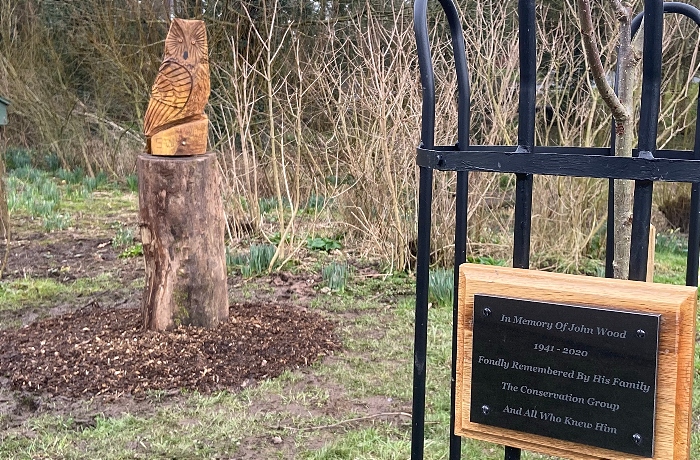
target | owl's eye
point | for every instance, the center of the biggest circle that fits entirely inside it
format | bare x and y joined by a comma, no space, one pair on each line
192,42
179,40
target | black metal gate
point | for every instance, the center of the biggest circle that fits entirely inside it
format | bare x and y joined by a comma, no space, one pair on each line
645,167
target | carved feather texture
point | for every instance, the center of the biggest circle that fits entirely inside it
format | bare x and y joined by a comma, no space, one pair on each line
181,89
169,95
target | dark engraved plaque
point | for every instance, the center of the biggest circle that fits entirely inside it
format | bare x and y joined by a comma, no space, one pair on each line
580,374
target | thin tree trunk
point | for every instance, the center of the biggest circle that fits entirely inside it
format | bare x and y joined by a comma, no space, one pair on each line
622,107
629,56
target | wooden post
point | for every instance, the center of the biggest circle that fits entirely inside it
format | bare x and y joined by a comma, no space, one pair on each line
4,211
182,230
652,254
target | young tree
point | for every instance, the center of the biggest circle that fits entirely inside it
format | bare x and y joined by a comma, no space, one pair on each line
629,54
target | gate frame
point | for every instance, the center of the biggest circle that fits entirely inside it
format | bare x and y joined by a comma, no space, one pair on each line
646,166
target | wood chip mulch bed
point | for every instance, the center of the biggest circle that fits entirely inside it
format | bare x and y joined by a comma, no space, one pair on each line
97,351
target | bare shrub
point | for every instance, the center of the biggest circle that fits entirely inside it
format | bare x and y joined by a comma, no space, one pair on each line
326,102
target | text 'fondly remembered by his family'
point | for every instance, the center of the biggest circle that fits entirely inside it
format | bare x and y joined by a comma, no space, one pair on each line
569,374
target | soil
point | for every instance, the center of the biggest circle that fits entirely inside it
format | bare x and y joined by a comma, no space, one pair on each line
86,356
66,259
93,348
100,351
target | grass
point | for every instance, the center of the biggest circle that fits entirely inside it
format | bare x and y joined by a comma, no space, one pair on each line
132,182
376,366
373,373
670,258
43,194
123,236
335,275
33,292
441,285
184,430
255,261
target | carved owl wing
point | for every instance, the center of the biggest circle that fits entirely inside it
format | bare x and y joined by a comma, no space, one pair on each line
169,95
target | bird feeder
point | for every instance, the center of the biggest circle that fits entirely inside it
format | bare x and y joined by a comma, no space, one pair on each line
3,110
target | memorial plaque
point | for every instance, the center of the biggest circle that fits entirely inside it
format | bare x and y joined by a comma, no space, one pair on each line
574,373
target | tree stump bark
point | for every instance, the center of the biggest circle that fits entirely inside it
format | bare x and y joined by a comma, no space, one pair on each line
182,231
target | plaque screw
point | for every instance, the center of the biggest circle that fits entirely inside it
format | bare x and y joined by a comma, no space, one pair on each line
637,438
485,409
641,333
487,312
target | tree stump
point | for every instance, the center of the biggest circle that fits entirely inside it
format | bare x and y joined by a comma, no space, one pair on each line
182,231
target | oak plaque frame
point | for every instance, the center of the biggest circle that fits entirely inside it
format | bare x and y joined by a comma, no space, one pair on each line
677,307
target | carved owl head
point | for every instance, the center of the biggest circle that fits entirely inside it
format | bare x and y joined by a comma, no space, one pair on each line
187,41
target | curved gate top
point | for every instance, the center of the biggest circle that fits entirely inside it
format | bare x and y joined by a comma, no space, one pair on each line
646,166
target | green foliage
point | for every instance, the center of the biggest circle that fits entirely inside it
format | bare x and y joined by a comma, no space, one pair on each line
590,267
672,242
29,174
259,259
276,238
267,205
135,250
16,158
41,207
441,287
335,276
321,243
75,193
235,260
596,246
270,205
132,181
506,181
37,194
90,184
316,203
486,260
57,222
51,162
71,177
335,181
671,258
123,237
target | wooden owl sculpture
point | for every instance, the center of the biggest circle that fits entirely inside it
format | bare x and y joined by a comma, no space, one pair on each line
175,122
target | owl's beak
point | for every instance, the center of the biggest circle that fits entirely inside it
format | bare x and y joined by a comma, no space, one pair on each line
184,56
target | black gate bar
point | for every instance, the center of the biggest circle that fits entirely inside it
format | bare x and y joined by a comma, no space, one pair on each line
645,167
425,205
691,277
648,123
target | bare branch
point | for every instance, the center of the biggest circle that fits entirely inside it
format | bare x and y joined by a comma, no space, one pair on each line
590,46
